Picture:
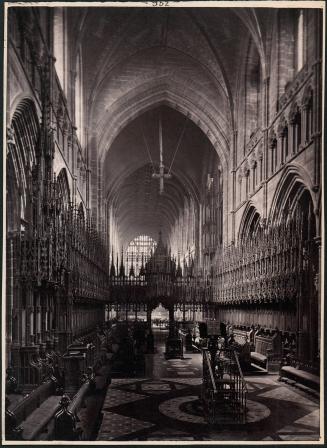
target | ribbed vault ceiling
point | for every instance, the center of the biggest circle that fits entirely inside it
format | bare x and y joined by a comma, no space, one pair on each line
198,48
128,171
139,60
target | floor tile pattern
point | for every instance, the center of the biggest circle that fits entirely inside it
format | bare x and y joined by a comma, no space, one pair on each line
171,409
187,381
155,408
116,397
115,426
116,382
286,394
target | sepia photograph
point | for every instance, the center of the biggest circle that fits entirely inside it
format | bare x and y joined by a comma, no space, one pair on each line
163,223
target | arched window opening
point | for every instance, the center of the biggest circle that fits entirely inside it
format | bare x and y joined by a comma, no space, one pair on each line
63,188
273,151
308,115
212,227
81,215
283,138
291,43
252,92
250,226
21,160
13,214
296,125
22,142
139,252
246,175
299,41
254,173
60,46
298,210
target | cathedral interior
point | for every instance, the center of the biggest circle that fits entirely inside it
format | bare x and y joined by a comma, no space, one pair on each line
163,229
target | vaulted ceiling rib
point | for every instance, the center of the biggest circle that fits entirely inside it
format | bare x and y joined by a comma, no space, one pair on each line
138,62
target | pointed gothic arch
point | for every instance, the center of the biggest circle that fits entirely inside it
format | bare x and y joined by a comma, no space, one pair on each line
250,223
294,182
63,188
22,152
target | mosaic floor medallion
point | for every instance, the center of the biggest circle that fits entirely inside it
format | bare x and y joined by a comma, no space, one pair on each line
189,409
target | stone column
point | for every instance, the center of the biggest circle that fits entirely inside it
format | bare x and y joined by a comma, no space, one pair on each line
246,176
37,317
239,178
50,315
10,297
171,320
38,324
30,325
317,283
234,182
317,73
148,316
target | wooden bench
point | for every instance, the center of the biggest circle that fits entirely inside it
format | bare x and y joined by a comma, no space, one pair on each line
267,349
67,425
83,348
37,422
243,334
36,409
299,374
289,343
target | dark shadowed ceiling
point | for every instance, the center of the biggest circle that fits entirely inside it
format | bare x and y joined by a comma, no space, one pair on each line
135,60
128,169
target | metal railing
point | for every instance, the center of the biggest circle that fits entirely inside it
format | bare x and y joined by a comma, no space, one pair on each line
224,391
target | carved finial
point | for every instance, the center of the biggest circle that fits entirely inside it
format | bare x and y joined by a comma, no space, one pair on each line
64,401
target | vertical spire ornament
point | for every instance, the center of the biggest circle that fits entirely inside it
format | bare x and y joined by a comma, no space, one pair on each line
161,175
112,266
122,267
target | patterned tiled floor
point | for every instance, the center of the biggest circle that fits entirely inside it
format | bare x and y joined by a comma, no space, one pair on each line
159,407
118,397
115,426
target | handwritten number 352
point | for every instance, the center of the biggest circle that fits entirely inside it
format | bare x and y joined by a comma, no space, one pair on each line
160,3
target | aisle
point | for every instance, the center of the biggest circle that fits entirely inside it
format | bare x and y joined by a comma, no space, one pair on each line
158,367
165,406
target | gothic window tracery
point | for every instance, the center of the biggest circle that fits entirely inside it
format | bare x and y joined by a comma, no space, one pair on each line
139,251
252,92
212,216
